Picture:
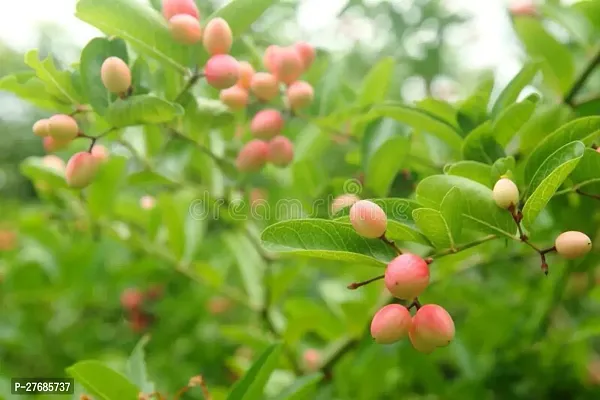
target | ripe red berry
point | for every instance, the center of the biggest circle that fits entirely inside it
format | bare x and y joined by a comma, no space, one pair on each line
270,58
170,8
419,344
368,219
264,86
432,325
115,75
131,299
281,151
81,170
252,156
306,52
185,29
218,37
234,97
288,65
390,324
267,124
222,71
407,276
300,94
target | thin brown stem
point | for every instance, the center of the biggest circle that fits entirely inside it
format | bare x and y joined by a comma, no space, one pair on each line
196,75
591,196
465,246
517,217
416,304
356,285
391,243
581,80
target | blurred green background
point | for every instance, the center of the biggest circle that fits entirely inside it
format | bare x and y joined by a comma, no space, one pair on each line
62,279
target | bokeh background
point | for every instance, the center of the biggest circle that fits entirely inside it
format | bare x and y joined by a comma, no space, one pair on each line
61,291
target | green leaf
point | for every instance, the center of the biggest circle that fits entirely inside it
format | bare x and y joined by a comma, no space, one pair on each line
501,167
587,173
480,145
136,367
451,210
558,67
385,150
473,110
35,169
582,129
432,224
401,225
251,386
473,170
331,240
376,84
105,187
304,388
511,119
92,57
511,92
142,27
57,83
440,109
142,110
572,20
548,178
420,120
27,86
102,382
544,120
480,211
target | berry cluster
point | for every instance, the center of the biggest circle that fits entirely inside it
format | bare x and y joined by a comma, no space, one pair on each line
406,277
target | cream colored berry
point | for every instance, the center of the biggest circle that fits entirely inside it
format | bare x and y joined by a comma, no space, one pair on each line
506,193
572,244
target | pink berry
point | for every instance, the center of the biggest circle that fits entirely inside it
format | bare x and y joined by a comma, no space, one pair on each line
288,65
264,86
41,128
407,276
281,151
185,29
312,360
147,202
222,71
252,156
267,124
170,8
270,58
218,37
81,170
234,97
306,52
524,8
419,344
300,94
343,201
433,326
115,75
368,219
246,74
51,145
100,152
131,299
390,324
63,127
257,197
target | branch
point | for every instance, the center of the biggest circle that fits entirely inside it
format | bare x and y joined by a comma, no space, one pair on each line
391,243
591,196
517,217
580,82
196,75
465,246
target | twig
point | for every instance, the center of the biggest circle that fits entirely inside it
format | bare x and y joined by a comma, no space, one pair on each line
327,368
580,82
391,243
591,196
356,285
196,75
465,246
517,217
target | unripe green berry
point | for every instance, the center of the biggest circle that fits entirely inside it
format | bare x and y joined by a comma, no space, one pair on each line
41,128
222,71
406,276
281,151
218,37
185,29
390,324
115,75
433,326
253,156
506,193
572,244
63,127
234,97
264,86
81,170
267,124
300,94
170,8
343,201
368,219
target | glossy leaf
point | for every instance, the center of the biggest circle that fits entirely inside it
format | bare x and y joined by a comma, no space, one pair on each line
304,388
142,110
27,86
511,92
377,82
587,173
102,382
548,178
57,83
480,211
440,109
105,187
451,210
473,110
501,167
136,367
558,66
511,119
473,170
331,240
252,384
432,224
582,129
480,145
544,121
91,60
401,225
575,22
34,169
